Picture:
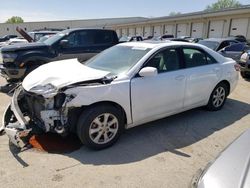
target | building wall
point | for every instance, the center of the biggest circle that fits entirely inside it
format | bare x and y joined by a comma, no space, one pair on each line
218,24
201,24
6,29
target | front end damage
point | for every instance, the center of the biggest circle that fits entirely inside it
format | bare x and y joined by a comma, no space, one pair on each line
30,113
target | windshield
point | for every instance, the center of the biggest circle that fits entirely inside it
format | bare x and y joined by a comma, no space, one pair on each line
124,39
118,59
210,44
54,38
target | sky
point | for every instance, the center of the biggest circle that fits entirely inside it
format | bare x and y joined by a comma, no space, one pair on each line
48,10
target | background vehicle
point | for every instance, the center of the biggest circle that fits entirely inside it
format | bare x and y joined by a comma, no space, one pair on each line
130,39
217,44
245,64
7,37
230,169
37,35
114,90
18,60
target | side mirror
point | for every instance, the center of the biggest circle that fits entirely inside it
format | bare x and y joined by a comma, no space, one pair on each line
64,43
148,72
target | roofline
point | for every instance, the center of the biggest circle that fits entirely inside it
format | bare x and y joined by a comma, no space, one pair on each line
70,20
203,14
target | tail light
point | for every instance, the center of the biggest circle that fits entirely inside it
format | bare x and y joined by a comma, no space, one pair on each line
237,67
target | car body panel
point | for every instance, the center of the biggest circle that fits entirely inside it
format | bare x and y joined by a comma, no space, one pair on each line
231,168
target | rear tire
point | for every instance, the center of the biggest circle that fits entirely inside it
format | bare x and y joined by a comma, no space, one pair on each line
100,126
245,74
218,97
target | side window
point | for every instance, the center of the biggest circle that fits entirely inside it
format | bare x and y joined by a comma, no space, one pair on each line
237,47
165,61
84,38
103,37
71,39
195,58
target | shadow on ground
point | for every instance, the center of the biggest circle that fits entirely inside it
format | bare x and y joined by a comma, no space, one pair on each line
169,134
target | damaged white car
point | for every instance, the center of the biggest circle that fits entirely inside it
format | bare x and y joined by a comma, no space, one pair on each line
122,87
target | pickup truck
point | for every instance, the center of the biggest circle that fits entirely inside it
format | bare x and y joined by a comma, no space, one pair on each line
16,61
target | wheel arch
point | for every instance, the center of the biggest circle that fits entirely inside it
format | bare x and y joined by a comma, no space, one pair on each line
227,83
75,112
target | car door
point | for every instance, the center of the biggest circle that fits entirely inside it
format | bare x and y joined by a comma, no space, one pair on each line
79,44
156,96
203,72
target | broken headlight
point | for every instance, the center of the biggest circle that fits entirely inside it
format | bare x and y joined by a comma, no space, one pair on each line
47,91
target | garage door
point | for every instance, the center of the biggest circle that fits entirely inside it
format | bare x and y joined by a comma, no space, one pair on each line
124,32
139,31
131,32
118,32
216,29
181,30
239,27
197,30
147,31
169,29
157,30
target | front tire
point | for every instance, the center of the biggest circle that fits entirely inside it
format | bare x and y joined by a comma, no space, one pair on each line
100,126
218,97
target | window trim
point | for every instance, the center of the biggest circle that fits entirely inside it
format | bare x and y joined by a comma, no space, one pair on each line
199,49
178,50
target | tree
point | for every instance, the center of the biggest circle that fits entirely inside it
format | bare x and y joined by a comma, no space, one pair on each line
15,19
223,4
174,13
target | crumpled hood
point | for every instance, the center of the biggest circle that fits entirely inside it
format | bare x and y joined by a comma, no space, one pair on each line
61,73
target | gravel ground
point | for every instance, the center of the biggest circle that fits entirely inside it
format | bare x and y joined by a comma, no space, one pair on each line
164,153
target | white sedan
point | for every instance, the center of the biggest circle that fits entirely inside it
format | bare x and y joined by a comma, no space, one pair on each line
122,87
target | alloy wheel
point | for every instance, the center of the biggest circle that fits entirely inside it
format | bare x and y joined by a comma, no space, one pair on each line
219,97
103,128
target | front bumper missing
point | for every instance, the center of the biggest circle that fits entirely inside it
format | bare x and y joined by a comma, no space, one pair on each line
15,130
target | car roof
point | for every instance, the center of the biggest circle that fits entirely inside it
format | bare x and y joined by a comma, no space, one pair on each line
157,44
78,29
218,39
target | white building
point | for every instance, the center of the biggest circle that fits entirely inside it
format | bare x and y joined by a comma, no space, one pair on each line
198,24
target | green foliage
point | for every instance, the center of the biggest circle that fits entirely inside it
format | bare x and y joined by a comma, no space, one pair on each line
174,13
15,19
223,4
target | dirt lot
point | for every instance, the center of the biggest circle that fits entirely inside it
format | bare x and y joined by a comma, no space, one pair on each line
165,153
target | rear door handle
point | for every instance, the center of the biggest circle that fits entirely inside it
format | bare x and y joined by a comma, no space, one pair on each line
180,77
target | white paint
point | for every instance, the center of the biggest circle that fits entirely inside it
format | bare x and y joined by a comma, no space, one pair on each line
131,32
197,30
118,32
61,73
157,30
147,31
169,29
182,30
216,29
124,32
239,26
139,31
